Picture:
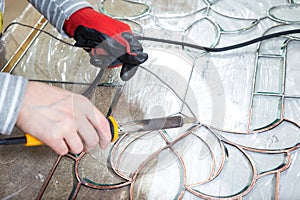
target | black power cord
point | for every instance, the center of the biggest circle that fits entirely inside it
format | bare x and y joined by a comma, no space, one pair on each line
220,49
208,49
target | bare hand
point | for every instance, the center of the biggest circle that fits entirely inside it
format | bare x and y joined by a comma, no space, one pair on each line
63,120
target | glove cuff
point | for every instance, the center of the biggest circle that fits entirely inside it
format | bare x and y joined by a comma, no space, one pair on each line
75,20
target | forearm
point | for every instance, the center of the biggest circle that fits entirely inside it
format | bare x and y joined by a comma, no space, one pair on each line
12,90
57,11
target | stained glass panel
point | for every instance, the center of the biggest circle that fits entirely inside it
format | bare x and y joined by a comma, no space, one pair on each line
246,100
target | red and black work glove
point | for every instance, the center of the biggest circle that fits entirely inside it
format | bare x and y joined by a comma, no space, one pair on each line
109,41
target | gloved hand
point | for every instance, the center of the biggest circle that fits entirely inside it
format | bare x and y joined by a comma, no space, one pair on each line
109,41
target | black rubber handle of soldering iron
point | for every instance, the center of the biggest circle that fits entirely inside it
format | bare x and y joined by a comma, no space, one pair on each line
112,130
17,140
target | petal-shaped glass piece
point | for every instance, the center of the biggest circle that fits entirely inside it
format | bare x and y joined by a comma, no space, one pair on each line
135,147
229,24
202,155
265,188
285,13
161,177
278,161
123,9
286,135
238,170
93,169
203,32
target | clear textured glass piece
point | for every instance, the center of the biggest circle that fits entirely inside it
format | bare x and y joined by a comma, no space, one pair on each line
165,72
292,109
137,147
285,13
65,167
292,71
173,8
93,169
270,75
123,9
266,111
278,160
160,178
237,169
203,32
201,153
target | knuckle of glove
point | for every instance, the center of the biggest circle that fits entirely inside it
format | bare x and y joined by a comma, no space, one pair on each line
87,37
136,55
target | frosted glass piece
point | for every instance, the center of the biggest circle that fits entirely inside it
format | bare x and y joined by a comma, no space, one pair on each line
204,32
269,75
201,153
272,46
237,170
160,178
292,109
151,92
245,9
137,147
283,136
285,13
278,161
94,170
265,111
123,9
171,8
293,71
